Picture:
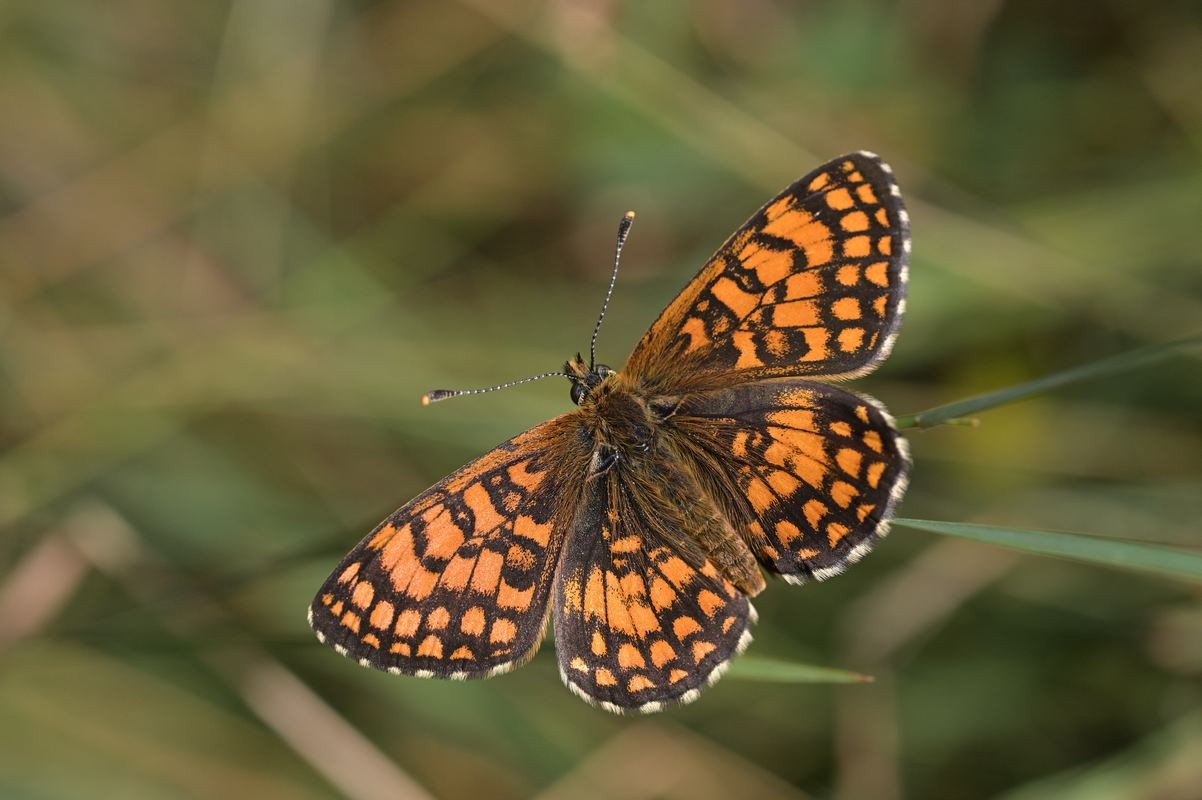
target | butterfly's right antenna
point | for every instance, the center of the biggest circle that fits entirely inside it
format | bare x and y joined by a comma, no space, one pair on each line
623,230
443,394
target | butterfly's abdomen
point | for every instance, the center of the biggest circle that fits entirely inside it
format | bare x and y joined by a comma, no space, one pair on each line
705,525
630,438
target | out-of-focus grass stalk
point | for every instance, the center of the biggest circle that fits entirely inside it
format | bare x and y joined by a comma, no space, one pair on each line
954,413
729,136
1165,562
755,668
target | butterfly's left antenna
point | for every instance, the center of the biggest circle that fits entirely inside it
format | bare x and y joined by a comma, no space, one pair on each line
623,231
443,394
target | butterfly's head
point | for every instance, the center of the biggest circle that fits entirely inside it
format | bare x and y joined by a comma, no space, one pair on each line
584,379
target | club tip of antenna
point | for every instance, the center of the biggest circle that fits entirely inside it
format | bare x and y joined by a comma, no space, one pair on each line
435,396
629,215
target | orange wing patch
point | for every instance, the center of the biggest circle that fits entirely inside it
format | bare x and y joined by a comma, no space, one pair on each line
812,285
456,583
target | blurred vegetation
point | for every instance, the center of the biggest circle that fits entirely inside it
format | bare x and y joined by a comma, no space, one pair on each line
238,240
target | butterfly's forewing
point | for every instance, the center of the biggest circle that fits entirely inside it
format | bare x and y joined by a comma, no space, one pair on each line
812,284
810,472
642,618
456,582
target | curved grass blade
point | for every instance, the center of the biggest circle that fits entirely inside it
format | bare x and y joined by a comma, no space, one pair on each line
1166,562
1132,359
751,668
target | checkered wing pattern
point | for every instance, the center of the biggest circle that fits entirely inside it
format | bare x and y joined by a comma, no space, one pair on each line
647,517
455,584
810,472
812,285
643,620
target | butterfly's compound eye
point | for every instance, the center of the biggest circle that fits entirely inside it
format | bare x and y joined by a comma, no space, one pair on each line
579,390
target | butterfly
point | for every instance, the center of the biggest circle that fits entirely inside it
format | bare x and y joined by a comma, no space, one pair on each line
643,521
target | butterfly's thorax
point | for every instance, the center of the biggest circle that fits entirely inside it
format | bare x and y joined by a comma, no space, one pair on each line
619,418
633,441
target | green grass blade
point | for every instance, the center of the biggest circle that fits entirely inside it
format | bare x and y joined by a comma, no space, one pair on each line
1155,559
751,668
1132,359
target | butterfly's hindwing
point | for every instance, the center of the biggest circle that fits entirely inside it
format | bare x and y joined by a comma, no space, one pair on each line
642,619
811,285
811,473
456,583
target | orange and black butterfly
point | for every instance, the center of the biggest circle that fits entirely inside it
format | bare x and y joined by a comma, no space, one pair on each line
643,520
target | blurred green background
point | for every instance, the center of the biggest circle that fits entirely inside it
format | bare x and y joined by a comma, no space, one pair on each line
239,239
